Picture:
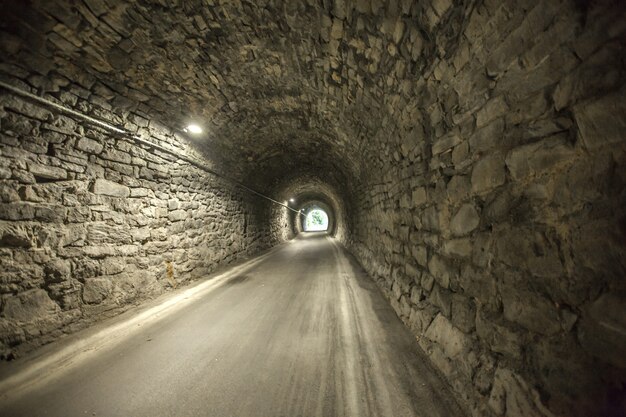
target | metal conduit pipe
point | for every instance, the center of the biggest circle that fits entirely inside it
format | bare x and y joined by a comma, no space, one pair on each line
136,138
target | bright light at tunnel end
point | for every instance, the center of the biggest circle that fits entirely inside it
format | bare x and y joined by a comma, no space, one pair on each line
316,221
194,129
291,200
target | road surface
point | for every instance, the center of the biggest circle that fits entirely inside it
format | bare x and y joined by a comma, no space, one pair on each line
303,333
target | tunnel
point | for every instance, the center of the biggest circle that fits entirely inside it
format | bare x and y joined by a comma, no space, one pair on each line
159,161
315,218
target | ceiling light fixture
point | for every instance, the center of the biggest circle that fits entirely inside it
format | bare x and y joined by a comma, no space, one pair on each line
193,128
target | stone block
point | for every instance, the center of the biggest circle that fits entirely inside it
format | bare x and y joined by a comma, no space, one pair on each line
17,211
396,290
28,109
139,192
420,254
127,250
23,176
427,282
452,341
90,251
160,167
5,173
548,266
159,233
460,155
33,193
61,124
101,232
461,248
105,187
500,205
442,299
547,127
89,146
602,122
458,188
47,172
488,173
57,270
537,158
119,168
177,215
50,213
441,6
139,162
412,272
463,313
146,173
173,204
434,218
336,29
441,270
465,220
416,294
497,337
462,57
466,364
480,285
445,143
404,308
488,137
140,234
493,109
530,310
96,290
362,6
112,265
15,235
441,361
160,212
511,394
602,331
405,201
514,247
29,306
420,319
518,83
598,73
528,110
419,196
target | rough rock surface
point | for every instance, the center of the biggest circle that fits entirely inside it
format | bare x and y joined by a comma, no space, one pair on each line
90,222
473,154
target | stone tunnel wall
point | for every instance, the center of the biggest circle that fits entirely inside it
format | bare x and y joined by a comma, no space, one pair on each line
90,222
499,237
281,224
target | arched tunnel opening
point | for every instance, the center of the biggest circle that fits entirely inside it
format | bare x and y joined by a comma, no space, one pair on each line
315,219
468,156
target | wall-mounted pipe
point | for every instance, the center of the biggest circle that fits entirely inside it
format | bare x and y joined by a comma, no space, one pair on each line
137,139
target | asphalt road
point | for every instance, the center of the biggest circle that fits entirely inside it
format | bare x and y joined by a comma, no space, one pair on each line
303,333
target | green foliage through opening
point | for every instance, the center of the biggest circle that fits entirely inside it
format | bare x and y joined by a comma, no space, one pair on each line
316,220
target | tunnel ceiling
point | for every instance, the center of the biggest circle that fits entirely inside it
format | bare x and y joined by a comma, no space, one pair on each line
305,188
278,85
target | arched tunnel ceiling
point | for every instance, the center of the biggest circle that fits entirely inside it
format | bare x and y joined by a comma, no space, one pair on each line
278,85
304,188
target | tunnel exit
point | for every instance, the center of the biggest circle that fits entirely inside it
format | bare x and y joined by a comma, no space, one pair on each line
316,221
